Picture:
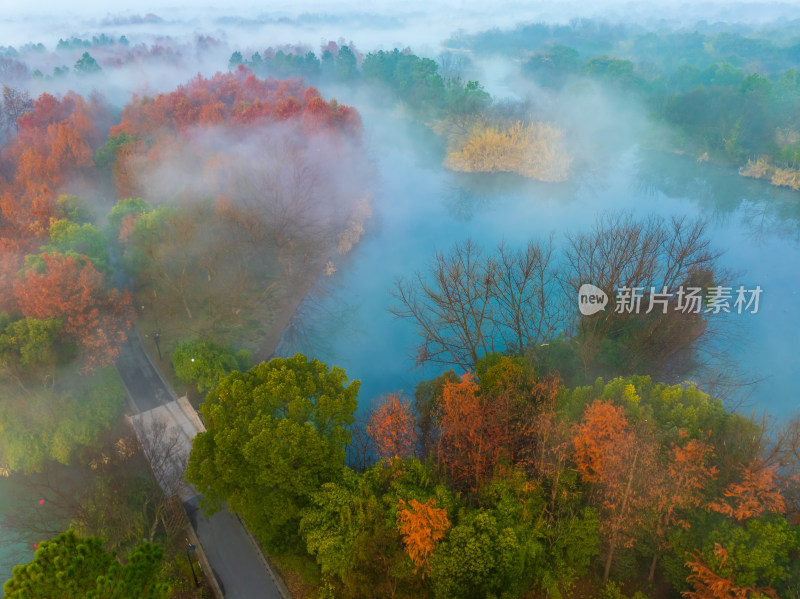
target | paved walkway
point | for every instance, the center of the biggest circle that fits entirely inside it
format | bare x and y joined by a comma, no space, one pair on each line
166,427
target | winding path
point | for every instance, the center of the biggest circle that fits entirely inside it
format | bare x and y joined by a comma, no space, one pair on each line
237,563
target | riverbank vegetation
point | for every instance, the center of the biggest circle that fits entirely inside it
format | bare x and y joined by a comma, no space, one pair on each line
548,490
210,254
274,186
725,95
477,137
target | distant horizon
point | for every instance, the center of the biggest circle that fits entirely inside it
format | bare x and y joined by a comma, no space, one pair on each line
310,22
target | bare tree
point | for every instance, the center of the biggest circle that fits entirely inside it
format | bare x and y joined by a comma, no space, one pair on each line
470,304
451,308
168,456
655,256
529,305
112,496
452,65
14,104
291,198
361,449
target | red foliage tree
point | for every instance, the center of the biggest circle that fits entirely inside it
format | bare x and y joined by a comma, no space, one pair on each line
465,450
391,427
72,290
238,97
482,426
237,101
681,488
12,254
54,146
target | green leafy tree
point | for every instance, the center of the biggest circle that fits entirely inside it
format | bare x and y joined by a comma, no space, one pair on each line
274,435
352,527
348,530
202,362
124,213
553,66
73,239
327,64
107,154
556,548
235,60
28,345
87,65
311,65
479,559
72,567
256,64
73,208
415,80
44,423
615,69
762,552
346,67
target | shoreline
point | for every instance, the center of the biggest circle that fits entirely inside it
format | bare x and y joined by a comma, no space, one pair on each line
300,288
293,297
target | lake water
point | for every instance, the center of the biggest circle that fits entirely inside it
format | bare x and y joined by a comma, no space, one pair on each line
13,499
420,208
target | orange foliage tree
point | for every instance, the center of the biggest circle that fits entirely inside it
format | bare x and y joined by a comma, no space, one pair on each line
484,426
756,493
391,427
422,525
237,100
12,255
681,488
72,290
54,146
464,447
710,585
622,467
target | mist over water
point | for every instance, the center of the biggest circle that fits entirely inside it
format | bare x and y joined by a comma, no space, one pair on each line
419,211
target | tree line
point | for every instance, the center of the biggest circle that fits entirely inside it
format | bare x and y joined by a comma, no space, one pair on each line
501,482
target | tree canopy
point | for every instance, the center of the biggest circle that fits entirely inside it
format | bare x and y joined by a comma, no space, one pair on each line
274,434
74,567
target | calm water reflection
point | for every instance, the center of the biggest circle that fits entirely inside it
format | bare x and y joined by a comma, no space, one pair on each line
420,208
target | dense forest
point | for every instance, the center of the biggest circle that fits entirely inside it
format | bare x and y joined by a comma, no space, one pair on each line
554,454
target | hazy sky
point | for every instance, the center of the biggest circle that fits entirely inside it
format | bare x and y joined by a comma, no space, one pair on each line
408,22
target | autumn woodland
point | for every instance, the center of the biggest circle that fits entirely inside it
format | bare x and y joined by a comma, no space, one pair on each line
549,454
